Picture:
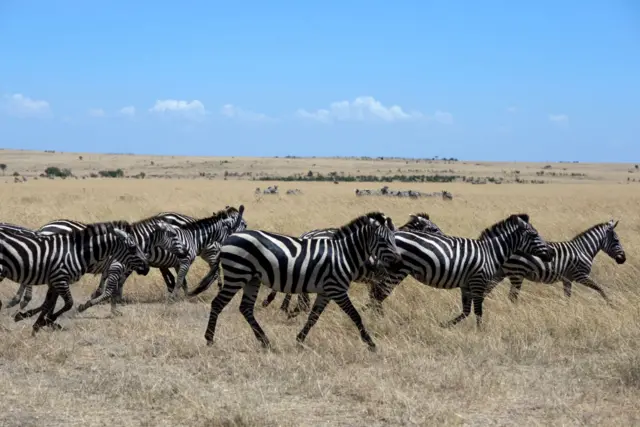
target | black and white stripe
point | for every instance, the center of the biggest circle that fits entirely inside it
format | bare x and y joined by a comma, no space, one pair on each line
449,262
156,238
572,262
417,222
293,265
61,259
206,235
209,249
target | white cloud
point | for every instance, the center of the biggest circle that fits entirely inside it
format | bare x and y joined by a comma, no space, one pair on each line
368,108
22,106
190,109
512,109
128,111
443,117
559,118
233,112
96,112
360,109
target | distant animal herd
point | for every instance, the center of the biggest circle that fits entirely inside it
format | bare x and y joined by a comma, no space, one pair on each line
384,191
369,249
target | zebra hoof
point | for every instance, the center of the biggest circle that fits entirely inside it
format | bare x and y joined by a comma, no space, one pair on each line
19,316
55,326
209,343
372,348
116,313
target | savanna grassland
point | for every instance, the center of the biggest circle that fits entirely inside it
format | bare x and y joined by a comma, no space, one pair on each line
544,361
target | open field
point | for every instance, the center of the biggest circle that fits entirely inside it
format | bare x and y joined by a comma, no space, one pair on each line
33,163
546,361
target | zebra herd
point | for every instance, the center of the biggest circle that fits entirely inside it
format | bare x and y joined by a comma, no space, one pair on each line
368,249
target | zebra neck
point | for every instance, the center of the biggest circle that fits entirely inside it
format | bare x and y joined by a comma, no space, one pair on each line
590,243
501,248
92,249
351,253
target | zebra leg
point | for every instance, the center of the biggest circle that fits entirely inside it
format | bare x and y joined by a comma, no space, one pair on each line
45,310
181,280
516,286
219,302
466,309
303,304
586,281
342,299
566,285
114,281
318,307
285,303
491,286
18,296
249,295
50,298
269,299
169,279
26,298
62,288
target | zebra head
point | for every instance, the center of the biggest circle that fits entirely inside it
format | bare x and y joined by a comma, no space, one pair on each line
382,242
166,237
611,244
531,242
235,222
421,222
134,257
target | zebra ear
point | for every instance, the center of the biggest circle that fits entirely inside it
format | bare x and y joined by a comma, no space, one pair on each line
524,217
121,234
615,224
390,224
241,211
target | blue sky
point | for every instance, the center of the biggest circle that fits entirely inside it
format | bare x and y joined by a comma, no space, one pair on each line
483,80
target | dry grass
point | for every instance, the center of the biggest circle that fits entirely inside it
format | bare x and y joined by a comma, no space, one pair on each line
545,361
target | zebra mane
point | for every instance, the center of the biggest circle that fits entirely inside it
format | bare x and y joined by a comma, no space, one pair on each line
221,215
358,222
99,228
590,229
496,228
422,215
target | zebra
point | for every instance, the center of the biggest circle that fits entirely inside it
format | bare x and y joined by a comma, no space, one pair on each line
448,262
572,263
417,222
142,231
229,220
61,259
294,265
165,236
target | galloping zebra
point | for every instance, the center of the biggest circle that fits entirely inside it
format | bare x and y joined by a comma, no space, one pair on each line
159,254
61,259
293,265
417,222
449,262
572,263
165,237
204,237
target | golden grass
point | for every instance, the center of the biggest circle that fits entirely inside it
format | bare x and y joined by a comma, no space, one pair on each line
546,361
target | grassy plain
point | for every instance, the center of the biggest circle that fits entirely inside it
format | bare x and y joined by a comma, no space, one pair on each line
545,361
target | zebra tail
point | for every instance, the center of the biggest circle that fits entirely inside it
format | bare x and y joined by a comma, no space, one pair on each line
208,280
